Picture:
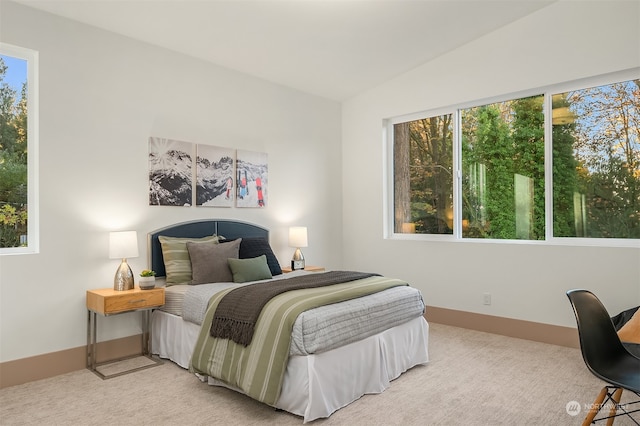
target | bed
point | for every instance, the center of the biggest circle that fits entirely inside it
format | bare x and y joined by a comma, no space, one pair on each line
334,353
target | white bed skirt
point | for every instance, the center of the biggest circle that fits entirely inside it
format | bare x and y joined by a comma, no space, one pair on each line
309,389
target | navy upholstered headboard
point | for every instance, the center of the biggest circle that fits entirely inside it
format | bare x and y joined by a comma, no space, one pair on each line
230,229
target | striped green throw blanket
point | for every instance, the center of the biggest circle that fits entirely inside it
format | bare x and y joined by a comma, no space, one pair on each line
258,368
238,311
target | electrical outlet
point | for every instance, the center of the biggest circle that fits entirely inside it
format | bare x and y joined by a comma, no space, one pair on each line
486,298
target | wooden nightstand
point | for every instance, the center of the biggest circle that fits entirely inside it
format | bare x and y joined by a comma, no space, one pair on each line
307,268
107,302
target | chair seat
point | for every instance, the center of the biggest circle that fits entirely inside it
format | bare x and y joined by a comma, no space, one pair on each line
623,372
633,348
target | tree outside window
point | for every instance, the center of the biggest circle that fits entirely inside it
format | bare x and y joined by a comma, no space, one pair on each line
13,152
423,183
503,170
596,162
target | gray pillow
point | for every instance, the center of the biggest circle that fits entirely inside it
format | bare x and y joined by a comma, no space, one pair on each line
253,269
177,263
209,261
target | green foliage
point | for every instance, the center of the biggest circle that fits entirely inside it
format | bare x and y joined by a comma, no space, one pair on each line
596,164
565,176
147,273
613,202
607,147
13,182
501,141
528,142
496,151
13,162
12,224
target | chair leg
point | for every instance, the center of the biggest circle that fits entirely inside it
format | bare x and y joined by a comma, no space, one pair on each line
615,399
595,407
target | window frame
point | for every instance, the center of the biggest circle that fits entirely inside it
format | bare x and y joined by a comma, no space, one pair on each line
33,208
547,92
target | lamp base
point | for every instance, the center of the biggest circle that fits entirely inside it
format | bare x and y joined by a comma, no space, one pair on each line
298,260
124,277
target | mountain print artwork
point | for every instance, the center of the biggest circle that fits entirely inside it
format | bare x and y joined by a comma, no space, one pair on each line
170,172
214,176
252,179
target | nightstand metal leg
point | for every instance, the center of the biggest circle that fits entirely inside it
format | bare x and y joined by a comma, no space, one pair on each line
145,333
92,337
91,340
88,360
94,340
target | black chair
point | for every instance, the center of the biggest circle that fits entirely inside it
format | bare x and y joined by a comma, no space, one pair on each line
605,356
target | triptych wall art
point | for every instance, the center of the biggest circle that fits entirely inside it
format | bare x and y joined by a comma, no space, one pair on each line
220,177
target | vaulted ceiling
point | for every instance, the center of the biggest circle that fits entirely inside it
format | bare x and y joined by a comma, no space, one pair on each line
330,48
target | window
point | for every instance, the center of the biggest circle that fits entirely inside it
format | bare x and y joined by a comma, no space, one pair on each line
18,150
502,171
596,162
423,184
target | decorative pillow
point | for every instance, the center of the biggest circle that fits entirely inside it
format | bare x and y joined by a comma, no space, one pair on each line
257,246
177,263
630,331
254,269
209,261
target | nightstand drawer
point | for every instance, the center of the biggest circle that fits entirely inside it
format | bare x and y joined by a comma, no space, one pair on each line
109,301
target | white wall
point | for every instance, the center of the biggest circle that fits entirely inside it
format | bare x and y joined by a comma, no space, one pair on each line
565,41
101,97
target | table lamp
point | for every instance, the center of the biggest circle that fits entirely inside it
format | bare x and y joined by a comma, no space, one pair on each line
122,245
297,239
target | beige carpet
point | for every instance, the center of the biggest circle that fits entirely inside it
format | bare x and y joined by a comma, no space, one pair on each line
473,378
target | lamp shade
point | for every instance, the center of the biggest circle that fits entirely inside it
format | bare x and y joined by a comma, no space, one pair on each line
298,236
123,244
